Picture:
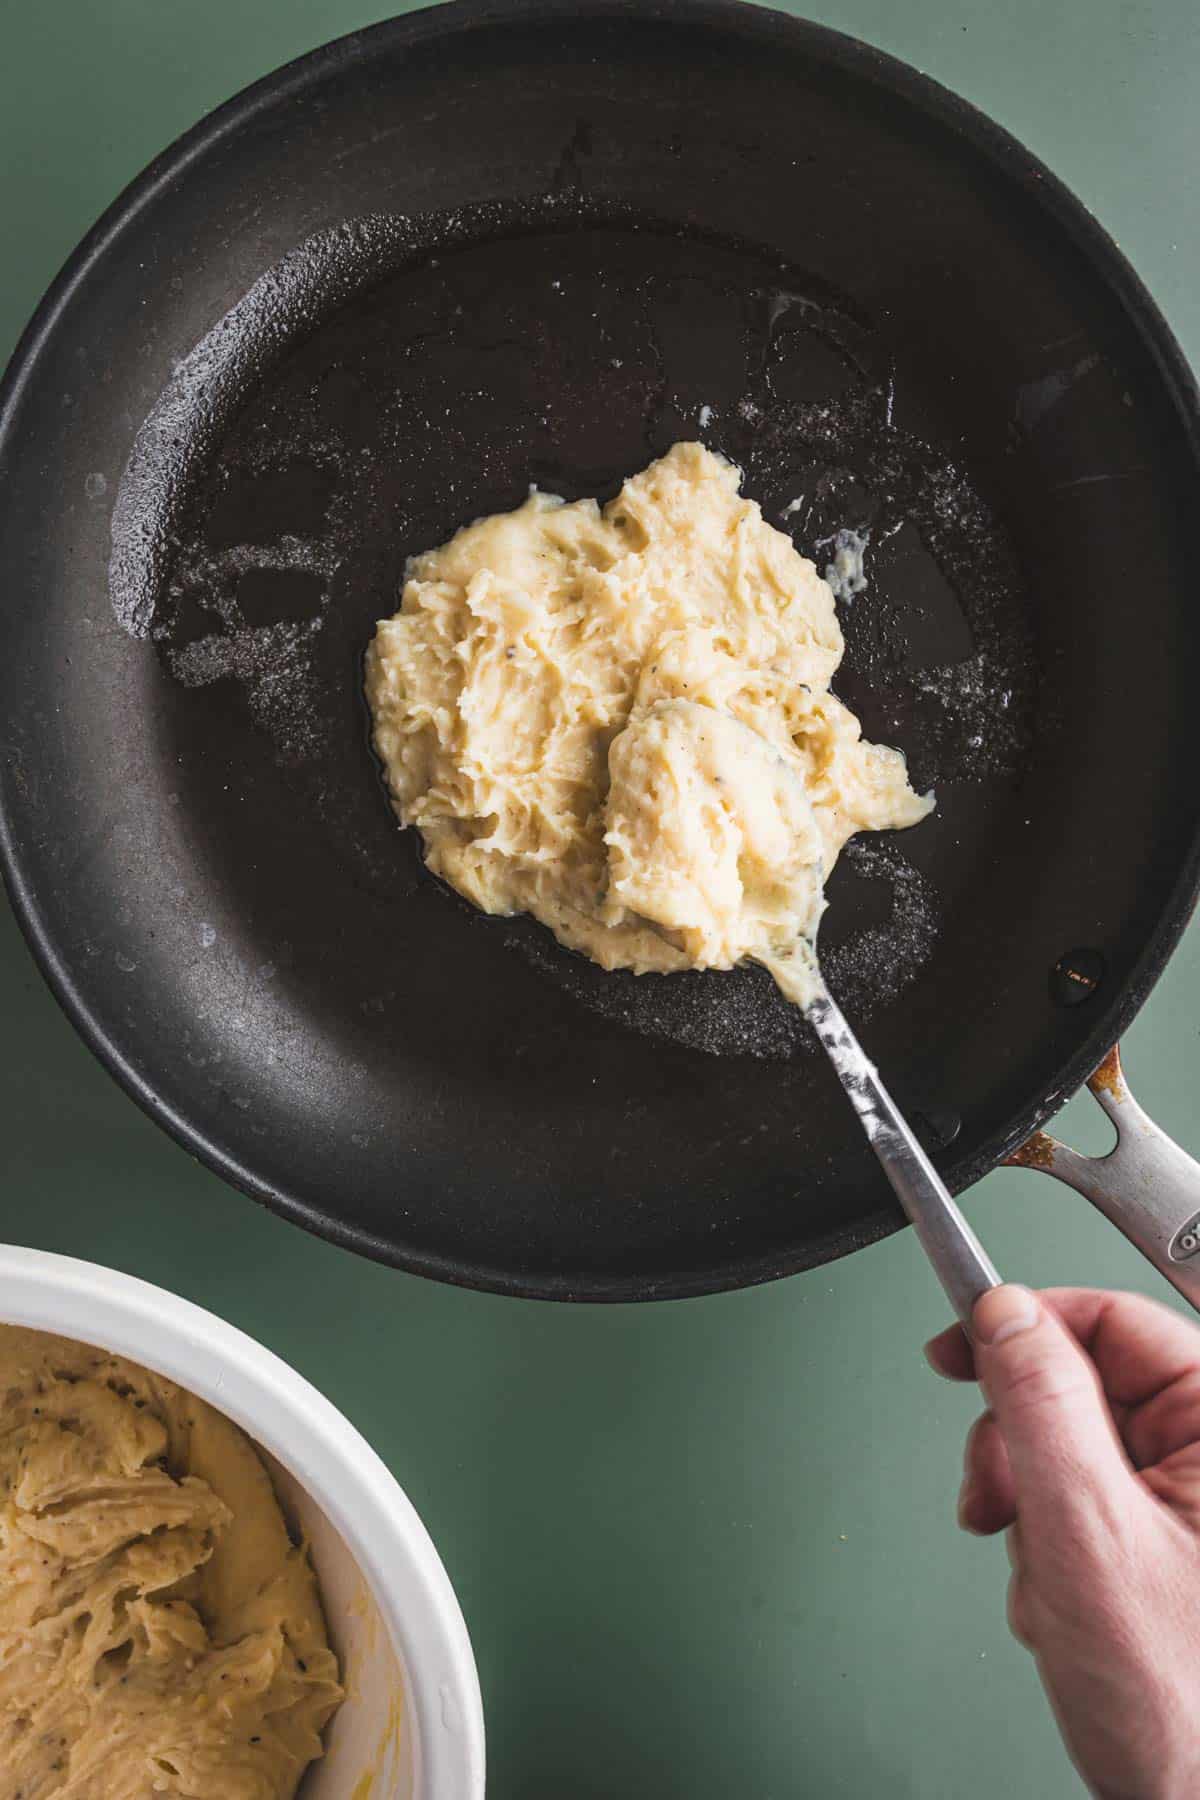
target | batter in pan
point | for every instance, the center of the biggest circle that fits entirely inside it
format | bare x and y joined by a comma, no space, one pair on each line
620,721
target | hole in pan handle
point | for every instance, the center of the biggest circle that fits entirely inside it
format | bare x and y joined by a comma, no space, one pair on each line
1147,1185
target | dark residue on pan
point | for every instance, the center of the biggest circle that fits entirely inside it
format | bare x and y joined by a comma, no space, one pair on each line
390,381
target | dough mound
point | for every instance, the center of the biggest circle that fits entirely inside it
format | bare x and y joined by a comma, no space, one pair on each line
621,722
159,1632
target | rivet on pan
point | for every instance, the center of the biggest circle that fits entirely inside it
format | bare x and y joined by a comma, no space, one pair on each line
1076,976
940,1123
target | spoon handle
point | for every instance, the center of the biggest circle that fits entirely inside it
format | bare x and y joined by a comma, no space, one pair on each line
959,1260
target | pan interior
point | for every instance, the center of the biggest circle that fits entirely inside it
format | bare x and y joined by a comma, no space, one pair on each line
451,387
951,381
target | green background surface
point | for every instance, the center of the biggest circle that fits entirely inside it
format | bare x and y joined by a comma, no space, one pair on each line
705,1548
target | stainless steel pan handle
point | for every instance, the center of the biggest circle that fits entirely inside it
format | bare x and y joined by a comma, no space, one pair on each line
1147,1185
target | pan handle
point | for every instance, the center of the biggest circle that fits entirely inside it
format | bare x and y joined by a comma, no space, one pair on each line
1147,1185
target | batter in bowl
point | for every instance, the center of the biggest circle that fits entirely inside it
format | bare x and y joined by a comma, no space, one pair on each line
160,1634
621,722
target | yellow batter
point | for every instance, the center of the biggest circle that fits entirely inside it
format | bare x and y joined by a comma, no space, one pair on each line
621,722
159,1632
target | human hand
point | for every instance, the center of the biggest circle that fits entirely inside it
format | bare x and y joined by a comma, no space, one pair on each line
1089,1458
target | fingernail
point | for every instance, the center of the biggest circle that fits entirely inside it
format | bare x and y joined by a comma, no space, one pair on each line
1002,1313
966,1494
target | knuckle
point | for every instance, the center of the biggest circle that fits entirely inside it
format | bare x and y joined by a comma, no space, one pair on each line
1019,1620
1045,1387
976,1443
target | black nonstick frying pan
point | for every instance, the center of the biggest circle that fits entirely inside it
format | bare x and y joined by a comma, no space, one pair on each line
500,244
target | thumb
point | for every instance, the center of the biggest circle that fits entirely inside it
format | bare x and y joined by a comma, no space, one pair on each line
1063,1448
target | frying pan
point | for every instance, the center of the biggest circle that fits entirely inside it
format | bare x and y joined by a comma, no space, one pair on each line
386,290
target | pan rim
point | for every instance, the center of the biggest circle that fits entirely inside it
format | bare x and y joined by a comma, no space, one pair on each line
792,37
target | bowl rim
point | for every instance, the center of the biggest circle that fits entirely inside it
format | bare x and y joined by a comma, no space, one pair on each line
318,1445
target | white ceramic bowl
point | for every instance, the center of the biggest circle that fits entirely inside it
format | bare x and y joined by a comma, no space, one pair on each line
411,1727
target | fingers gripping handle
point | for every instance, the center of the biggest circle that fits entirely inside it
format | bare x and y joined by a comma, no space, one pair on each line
1147,1185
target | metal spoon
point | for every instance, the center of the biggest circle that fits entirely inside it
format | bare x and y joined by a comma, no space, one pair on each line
959,1260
